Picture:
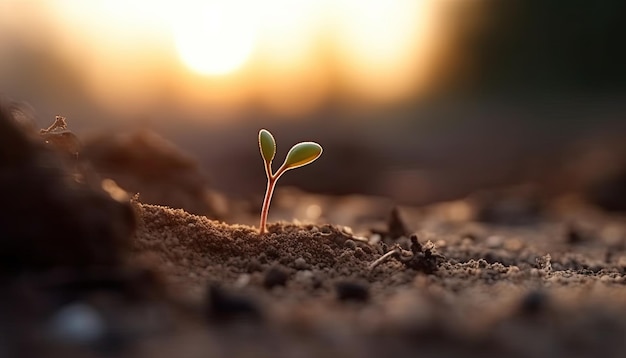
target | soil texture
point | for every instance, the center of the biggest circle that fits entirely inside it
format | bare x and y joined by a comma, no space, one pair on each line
86,275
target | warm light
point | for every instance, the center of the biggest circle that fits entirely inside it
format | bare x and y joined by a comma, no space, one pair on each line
286,56
377,42
216,37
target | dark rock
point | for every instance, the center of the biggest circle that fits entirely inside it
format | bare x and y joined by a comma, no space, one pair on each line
609,193
423,259
575,235
63,240
396,228
48,219
533,302
510,206
395,225
352,291
223,305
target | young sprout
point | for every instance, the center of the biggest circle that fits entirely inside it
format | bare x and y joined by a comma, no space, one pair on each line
299,155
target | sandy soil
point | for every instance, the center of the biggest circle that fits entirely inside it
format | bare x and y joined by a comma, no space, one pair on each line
84,275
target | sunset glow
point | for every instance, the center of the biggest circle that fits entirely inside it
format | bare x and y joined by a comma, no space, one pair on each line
288,55
215,37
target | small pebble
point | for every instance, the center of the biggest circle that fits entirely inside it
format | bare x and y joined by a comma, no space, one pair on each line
359,253
494,241
254,265
223,305
606,278
77,323
300,264
513,245
275,276
375,239
242,281
352,291
534,302
304,275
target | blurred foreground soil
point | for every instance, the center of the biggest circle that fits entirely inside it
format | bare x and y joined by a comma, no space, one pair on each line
502,272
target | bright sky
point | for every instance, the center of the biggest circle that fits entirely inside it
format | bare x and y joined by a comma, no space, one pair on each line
289,55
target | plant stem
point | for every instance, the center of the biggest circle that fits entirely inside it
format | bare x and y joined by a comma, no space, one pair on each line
269,191
271,183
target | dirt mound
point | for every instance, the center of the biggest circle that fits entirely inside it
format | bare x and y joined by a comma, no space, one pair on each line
144,162
50,220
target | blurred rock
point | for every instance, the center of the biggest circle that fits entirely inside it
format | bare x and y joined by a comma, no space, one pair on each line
396,228
145,163
64,245
48,219
352,291
76,323
609,192
224,305
275,276
517,205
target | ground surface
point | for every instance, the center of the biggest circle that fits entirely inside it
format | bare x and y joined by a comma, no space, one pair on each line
555,287
496,274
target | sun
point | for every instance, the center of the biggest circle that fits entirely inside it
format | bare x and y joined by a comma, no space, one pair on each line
215,37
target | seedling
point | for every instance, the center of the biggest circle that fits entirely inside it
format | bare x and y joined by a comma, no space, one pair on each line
299,155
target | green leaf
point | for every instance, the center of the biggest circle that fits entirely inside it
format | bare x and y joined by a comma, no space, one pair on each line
302,154
267,145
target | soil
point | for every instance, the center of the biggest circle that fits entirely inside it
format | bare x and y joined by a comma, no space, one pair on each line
84,275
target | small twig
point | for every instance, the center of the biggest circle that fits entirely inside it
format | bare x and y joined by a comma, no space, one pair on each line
420,258
396,251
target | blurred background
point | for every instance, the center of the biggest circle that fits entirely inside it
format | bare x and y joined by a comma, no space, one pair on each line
414,100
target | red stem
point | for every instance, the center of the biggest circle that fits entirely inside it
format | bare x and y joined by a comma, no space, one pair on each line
266,205
269,191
